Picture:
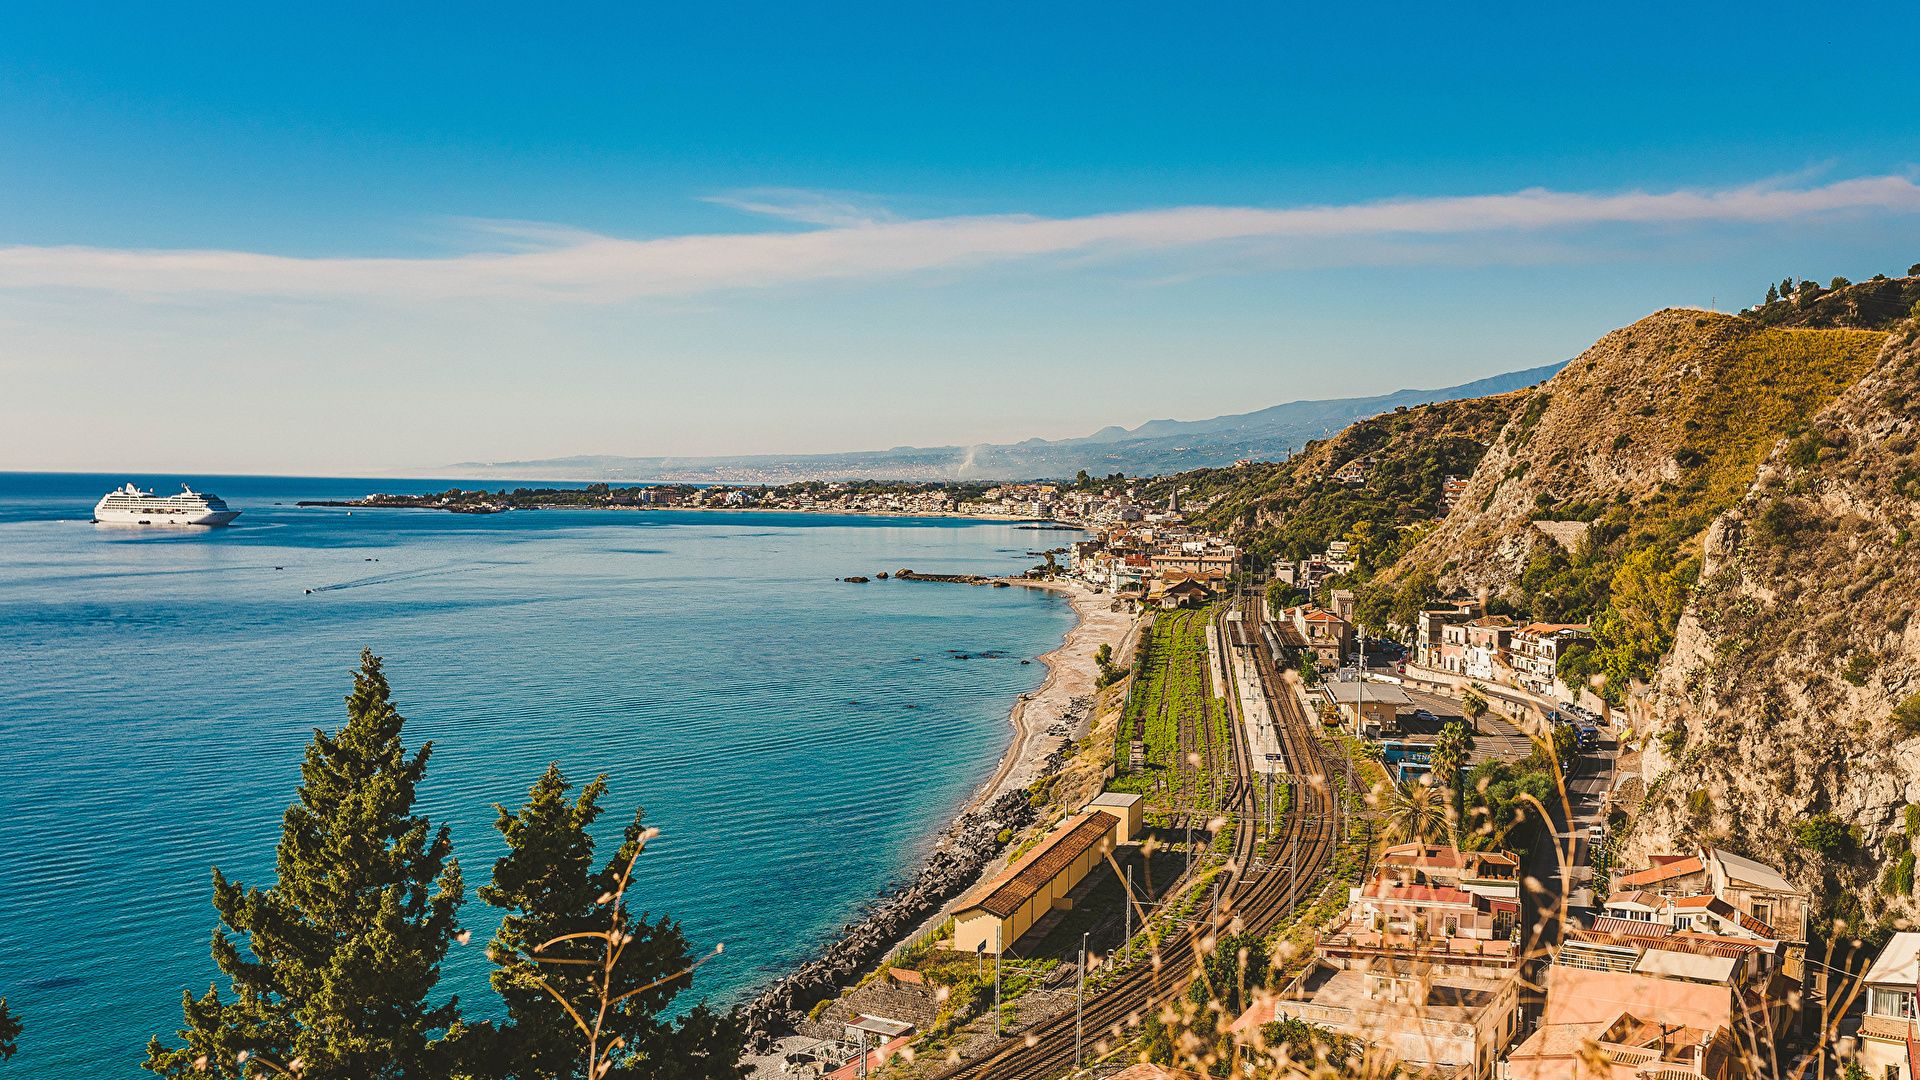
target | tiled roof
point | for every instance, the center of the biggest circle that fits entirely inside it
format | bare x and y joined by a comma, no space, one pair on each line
1662,872
1418,894
1010,890
1612,925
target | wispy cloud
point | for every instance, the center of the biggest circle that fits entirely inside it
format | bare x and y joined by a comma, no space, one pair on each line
847,240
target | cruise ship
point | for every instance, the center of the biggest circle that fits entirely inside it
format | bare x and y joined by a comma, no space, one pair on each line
130,506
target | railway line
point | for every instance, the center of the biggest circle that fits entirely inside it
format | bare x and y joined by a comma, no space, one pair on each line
1260,900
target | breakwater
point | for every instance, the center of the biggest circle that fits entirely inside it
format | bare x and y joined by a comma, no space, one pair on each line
955,862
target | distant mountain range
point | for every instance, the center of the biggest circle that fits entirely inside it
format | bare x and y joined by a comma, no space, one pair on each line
1155,447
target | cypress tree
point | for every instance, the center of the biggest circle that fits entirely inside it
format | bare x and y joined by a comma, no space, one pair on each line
549,888
342,951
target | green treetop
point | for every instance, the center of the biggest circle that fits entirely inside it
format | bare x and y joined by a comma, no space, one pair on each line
9,1031
331,966
575,994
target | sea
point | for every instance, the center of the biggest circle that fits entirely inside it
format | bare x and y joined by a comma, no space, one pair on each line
797,740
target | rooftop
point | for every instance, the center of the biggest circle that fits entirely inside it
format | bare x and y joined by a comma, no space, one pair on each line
1010,889
1347,692
1661,871
1899,962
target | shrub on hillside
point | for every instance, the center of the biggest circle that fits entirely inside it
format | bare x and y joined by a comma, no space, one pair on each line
1824,835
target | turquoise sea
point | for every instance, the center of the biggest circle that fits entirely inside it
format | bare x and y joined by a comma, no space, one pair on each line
798,741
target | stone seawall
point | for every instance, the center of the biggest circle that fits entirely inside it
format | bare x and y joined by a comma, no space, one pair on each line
955,862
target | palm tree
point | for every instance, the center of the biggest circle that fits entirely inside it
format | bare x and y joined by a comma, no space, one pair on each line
1473,705
1449,757
1450,752
1416,811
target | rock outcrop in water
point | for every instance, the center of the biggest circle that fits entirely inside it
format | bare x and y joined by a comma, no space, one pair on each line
956,860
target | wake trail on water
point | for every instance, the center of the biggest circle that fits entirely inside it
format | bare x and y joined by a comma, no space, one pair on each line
398,576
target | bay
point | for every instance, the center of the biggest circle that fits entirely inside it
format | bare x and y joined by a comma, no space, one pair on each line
797,740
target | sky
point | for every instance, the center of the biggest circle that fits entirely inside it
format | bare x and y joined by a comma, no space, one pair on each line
379,239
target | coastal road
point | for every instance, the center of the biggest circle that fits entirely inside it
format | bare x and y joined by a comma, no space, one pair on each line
1260,900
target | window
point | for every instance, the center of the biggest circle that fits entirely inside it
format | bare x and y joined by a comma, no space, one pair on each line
1897,1004
1763,912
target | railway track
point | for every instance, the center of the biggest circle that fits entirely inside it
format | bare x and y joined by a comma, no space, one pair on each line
1260,901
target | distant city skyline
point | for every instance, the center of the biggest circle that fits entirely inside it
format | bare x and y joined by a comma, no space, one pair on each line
382,242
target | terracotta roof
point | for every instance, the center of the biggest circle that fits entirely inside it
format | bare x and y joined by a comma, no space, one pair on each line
1614,926
1684,941
1552,627
1633,896
1418,894
1317,615
1726,911
1010,890
1441,856
1662,871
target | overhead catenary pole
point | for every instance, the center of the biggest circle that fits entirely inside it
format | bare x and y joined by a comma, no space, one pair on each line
1127,946
1079,1000
997,950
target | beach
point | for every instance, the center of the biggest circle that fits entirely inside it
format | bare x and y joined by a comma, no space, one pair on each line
1072,675
1045,723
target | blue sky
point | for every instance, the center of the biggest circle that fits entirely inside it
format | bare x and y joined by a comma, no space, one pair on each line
382,239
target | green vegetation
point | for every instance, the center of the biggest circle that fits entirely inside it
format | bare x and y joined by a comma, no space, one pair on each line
1871,305
1899,879
1294,508
1307,1042
1911,820
334,965
1824,834
1906,715
1171,709
1858,667
9,1031
1501,798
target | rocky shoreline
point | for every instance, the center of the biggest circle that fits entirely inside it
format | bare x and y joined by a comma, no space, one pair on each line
956,861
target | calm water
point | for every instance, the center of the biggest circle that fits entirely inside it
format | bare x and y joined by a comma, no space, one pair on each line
797,740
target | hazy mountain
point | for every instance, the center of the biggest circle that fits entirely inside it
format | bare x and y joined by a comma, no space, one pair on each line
1157,446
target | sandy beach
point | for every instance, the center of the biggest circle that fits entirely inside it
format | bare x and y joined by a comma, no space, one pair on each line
1071,675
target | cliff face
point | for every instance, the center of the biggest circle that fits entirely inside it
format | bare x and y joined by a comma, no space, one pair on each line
1782,697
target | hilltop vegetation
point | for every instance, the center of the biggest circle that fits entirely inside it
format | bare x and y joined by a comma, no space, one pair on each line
1293,508
1870,305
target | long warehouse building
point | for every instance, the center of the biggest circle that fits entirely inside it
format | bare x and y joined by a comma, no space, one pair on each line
994,915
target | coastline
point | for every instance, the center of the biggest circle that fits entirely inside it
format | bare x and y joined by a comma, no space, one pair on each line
1038,523
1044,721
1071,675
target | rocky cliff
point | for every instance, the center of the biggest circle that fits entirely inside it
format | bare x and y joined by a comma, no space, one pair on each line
1788,711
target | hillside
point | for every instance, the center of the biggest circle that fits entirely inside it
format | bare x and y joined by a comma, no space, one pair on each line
1793,689
1292,508
1627,455
1154,448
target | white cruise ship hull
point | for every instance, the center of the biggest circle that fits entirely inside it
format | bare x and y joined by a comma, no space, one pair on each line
128,505
107,516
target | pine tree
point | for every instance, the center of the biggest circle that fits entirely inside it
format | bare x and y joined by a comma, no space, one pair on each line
1773,293
342,951
9,1031
550,889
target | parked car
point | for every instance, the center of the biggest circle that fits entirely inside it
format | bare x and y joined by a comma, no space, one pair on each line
1424,716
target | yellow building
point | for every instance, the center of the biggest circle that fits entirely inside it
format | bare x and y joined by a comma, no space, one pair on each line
995,914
